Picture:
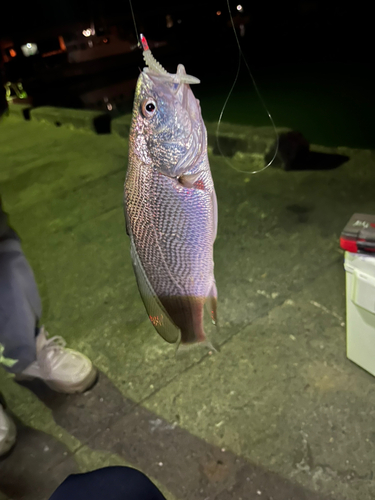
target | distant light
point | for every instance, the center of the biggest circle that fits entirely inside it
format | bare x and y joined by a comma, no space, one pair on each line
90,44
218,13
12,53
30,49
109,107
62,44
169,21
105,40
87,32
239,8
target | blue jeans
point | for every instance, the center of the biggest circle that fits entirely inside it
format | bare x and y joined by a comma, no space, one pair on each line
20,304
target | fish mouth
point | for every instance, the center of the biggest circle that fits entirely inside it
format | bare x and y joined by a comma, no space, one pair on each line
184,94
179,90
195,143
179,85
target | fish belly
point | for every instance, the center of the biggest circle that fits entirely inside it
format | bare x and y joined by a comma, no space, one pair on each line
172,232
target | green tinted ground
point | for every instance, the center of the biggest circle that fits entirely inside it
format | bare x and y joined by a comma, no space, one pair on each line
279,413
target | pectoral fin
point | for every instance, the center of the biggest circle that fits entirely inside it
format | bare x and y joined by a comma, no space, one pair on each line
188,180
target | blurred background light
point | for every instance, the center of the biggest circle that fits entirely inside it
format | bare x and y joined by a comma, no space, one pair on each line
30,49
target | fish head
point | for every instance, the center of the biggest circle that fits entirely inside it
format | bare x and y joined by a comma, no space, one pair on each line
167,125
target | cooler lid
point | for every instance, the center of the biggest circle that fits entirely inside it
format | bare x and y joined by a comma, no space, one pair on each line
359,234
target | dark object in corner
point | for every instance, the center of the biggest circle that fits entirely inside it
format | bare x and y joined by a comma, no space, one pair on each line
116,483
294,154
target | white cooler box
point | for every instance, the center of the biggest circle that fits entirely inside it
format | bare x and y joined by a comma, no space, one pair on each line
359,237
360,309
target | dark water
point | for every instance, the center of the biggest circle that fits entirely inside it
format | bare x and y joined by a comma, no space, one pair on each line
331,105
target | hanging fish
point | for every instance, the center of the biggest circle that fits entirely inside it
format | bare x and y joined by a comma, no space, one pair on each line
170,204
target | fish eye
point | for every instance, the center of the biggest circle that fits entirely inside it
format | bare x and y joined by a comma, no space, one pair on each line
148,108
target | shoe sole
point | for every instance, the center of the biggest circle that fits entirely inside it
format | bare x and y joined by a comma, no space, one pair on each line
81,386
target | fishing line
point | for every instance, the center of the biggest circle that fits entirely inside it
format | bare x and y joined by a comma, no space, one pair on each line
241,57
135,25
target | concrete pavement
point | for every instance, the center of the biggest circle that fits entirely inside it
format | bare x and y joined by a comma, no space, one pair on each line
278,414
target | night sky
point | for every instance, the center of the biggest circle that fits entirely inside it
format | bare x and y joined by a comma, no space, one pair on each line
331,19
299,30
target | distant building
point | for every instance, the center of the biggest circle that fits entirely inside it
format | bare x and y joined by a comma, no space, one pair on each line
30,54
89,43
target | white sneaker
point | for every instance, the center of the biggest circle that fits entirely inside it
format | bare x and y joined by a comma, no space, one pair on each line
62,369
7,432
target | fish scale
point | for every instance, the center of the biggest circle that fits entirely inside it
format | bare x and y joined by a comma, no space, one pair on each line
170,220
158,210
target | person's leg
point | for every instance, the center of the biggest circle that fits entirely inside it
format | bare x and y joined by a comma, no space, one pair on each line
115,483
24,349
20,307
